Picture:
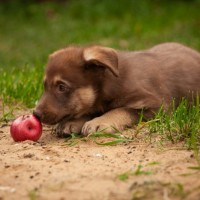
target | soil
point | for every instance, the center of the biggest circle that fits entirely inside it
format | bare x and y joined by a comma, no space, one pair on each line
52,169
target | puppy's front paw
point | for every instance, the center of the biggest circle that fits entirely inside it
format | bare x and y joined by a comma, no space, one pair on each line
68,127
98,124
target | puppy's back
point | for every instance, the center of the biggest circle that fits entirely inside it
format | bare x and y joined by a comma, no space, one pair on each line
168,70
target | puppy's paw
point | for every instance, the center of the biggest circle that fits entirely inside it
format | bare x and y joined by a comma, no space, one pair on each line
99,124
68,127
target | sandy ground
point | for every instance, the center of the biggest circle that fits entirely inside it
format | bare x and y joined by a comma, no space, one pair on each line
50,169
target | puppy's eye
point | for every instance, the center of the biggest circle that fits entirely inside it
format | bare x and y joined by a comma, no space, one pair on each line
62,88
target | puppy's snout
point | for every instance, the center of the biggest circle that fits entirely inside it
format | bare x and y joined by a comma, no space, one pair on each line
37,114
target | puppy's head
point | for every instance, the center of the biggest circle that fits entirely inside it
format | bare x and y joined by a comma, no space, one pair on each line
73,78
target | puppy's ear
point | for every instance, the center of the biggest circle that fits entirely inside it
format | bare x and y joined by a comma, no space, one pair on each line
102,57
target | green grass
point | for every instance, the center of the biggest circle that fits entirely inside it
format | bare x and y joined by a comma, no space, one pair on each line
23,85
138,171
156,190
32,195
6,115
181,124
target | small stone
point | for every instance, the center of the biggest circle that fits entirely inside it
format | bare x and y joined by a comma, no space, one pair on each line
28,155
47,158
98,155
37,173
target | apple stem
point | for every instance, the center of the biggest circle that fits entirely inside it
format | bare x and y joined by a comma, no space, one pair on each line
25,116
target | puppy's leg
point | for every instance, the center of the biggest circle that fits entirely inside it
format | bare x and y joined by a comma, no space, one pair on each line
119,118
72,126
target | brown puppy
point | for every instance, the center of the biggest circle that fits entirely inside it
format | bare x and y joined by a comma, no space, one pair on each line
93,88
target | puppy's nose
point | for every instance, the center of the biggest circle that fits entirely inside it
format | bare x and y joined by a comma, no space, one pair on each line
37,114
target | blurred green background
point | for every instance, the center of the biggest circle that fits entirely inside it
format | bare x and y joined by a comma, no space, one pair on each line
31,30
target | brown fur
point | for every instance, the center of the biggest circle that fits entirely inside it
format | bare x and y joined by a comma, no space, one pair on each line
93,88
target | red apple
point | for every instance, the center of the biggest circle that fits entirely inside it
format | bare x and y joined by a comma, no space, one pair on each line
26,127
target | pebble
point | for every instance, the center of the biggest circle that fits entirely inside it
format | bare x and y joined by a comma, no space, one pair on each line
31,177
98,155
37,173
7,188
29,155
47,158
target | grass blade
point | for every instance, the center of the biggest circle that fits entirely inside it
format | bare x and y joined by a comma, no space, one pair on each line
114,142
194,167
102,134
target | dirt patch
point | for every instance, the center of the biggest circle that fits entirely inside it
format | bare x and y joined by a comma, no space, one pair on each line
50,169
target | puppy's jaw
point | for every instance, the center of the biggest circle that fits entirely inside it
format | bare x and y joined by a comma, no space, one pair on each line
83,100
